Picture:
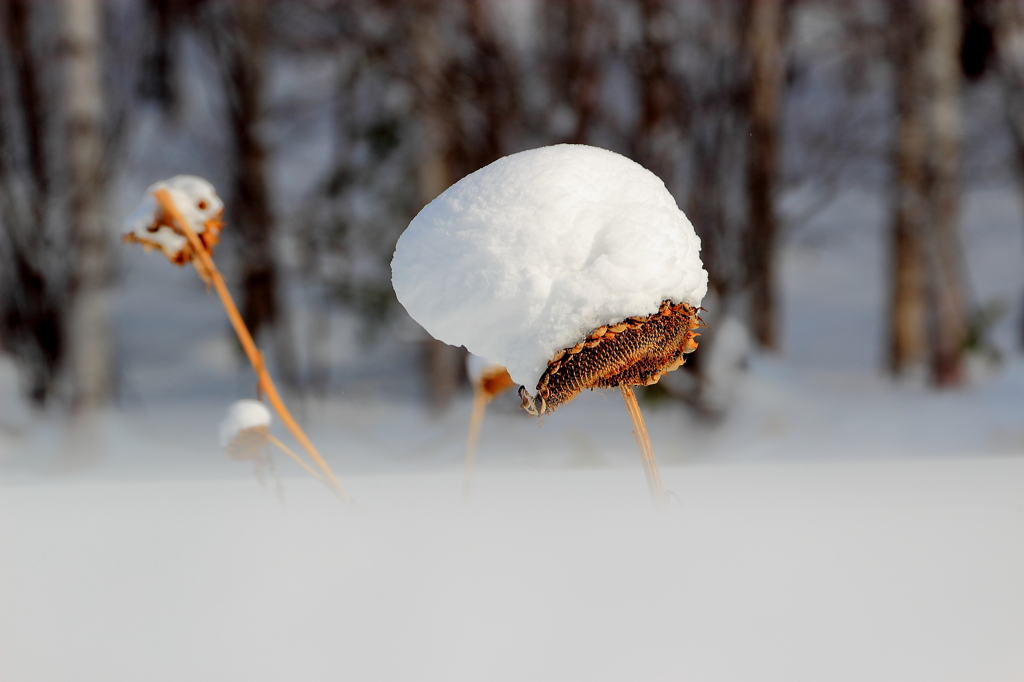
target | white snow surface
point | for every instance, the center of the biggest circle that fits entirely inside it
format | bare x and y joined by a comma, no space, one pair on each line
527,255
242,415
796,573
195,197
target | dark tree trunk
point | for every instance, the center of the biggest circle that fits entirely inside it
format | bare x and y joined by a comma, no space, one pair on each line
241,43
574,33
438,126
32,281
157,79
19,34
657,144
1009,37
764,43
252,220
942,58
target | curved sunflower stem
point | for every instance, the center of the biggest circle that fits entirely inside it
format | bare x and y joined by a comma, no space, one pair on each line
209,271
643,444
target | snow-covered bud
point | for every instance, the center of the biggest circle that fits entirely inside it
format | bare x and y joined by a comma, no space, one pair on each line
196,200
245,435
245,425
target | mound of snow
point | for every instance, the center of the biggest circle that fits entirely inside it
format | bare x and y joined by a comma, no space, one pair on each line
525,256
195,198
242,415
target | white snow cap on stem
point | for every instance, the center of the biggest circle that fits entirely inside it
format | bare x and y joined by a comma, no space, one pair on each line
526,256
242,415
477,366
195,198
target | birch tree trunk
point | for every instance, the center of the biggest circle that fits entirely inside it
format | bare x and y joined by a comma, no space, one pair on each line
764,42
908,342
1009,37
89,334
942,66
928,315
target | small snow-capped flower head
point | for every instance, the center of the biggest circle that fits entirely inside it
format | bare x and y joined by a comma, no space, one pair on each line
542,259
244,429
196,200
245,435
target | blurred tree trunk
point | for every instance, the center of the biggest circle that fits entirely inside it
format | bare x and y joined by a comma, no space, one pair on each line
717,143
490,86
908,342
657,144
437,128
942,62
718,139
573,45
1009,38
929,307
241,42
32,288
89,336
764,42
19,32
158,65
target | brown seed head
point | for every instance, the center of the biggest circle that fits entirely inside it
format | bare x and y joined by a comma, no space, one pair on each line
635,352
209,236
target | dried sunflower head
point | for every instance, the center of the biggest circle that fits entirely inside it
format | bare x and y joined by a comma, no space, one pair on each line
197,201
637,351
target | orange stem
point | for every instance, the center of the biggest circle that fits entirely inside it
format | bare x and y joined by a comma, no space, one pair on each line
643,443
476,419
266,384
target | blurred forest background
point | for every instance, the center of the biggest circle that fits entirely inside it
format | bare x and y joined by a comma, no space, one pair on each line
326,125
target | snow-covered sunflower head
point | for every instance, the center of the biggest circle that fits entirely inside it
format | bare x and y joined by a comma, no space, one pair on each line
570,265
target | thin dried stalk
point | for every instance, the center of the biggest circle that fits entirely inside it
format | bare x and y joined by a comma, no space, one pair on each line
486,388
643,443
476,420
210,272
298,460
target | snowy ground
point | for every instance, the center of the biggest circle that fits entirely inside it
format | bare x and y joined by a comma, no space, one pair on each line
834,526
853,571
